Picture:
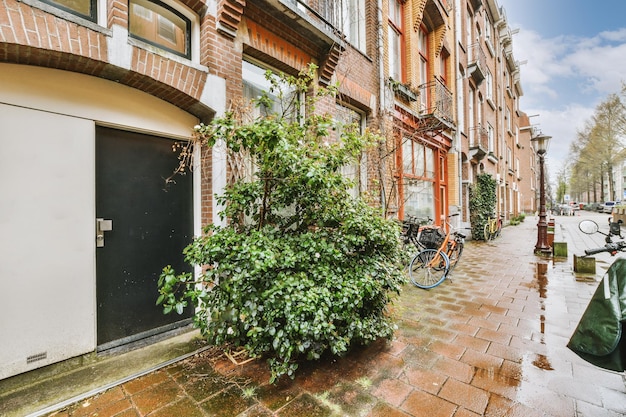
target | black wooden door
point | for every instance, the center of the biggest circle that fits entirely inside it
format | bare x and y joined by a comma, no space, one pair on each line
151,224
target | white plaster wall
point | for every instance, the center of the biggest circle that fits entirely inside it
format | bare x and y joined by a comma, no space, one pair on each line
46,238
47,203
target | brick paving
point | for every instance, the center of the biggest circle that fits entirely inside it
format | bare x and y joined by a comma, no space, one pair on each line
489,342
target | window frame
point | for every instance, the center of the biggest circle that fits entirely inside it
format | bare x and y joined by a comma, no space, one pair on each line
93,6
396,50
353,22
189,23
418,177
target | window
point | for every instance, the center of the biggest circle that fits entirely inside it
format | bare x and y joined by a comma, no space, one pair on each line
356,171
255,83
82,8
468,29
490,137
471,116
160,25
444,59
353,21
395,40
418,179
489,85
508,120
422,44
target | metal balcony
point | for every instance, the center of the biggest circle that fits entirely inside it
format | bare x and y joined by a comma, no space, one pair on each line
436,104
317,20
477,63
478,142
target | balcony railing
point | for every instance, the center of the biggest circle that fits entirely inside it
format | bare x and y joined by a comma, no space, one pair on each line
436,101
326,12
477,63
478,142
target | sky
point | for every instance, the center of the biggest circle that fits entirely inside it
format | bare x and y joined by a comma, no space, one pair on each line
572,56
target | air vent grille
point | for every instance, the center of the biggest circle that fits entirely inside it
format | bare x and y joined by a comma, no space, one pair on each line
36,357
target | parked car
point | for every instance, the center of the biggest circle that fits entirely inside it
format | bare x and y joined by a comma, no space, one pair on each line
607,207
574,205
563,210
593,207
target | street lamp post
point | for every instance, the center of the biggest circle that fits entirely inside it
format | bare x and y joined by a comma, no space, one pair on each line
540,143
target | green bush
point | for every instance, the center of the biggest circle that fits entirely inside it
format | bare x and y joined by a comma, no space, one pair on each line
515,220
302,268
482,203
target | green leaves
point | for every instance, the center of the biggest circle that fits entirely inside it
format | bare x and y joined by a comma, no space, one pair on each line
482,203
302,268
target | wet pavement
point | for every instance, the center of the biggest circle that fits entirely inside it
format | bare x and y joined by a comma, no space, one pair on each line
489,342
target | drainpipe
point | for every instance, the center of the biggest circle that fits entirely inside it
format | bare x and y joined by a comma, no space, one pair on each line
381,103
459,108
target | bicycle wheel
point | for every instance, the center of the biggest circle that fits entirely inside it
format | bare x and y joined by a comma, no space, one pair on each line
429,268
487,232
454,254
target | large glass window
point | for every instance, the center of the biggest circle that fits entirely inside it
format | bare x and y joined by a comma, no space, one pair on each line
160,25
419,198
83,8
255,83
353,21
395,40
418,163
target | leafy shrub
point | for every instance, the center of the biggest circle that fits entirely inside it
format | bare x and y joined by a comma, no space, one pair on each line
515,220
302,268
482,203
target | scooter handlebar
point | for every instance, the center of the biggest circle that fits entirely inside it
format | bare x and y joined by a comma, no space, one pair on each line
612,248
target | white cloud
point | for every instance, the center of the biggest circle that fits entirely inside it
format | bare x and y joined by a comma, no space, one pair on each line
564,79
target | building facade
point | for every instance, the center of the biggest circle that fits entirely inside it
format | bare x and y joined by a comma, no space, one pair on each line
489,121
94,93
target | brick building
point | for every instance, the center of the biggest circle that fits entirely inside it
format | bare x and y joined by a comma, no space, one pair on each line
490,127
95,93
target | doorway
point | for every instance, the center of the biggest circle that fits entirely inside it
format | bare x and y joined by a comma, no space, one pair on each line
151,222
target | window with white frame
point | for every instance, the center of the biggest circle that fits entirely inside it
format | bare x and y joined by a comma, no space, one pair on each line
422,43
395,35
161,25
256,83
489,85
356,171
487,28
353,22
418,179
491,138
508,119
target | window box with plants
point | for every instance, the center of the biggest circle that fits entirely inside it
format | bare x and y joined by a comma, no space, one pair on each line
405,91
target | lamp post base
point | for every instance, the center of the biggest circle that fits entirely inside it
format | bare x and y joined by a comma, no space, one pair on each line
542,247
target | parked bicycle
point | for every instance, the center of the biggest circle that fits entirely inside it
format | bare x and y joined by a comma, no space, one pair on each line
409,235
493,228
442,250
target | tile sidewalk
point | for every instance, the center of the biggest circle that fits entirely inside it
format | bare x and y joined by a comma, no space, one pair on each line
489,342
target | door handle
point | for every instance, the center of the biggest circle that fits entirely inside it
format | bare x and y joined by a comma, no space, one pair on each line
102,226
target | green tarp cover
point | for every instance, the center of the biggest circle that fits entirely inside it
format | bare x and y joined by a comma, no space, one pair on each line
598,338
